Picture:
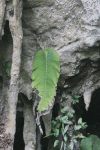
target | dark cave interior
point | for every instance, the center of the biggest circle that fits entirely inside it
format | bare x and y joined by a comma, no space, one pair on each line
92,116
1,82
45,141
7,34
18,139
6,49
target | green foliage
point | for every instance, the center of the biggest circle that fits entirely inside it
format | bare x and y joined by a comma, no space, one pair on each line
90,143
64,109
81,125
86,144
8,69
56,143
64,97
46,71
64,123
96,142
75,99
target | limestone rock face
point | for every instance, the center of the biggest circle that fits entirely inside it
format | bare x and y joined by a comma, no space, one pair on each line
70,27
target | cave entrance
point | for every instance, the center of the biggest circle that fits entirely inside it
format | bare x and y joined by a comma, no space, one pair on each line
18,139
93,113
6,50
92,116
48,141
44,141
7,34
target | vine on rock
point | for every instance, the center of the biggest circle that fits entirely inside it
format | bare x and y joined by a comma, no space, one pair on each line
65,124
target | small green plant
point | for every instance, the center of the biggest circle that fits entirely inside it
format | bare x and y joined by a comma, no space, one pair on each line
64,123
81,125
64,97
75,99
8,69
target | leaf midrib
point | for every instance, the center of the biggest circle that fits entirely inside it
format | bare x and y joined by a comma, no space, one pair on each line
46,76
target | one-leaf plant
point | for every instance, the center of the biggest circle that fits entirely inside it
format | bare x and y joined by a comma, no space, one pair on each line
46,71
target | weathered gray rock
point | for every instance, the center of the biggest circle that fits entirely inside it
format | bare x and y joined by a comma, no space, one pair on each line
29,127
71,27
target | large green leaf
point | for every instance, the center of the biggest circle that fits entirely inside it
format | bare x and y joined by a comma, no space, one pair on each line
46,71
86,144
96,142
90,143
